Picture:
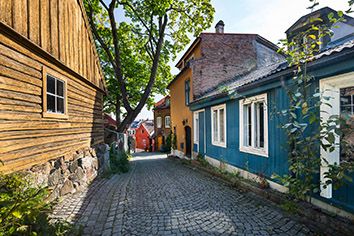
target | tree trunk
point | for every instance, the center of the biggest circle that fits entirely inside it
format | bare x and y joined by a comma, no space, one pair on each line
118,113
153,72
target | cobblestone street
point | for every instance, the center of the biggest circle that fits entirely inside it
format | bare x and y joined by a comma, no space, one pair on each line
160,196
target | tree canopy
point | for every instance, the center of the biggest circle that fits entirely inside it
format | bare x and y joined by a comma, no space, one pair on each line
136,39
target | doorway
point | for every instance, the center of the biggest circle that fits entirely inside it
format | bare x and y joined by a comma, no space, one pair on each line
188,141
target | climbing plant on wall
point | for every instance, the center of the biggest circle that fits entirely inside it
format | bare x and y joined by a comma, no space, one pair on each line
306,132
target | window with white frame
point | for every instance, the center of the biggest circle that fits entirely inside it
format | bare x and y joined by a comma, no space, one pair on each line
218,129
55,104
167,122
254,125
196,127
159,122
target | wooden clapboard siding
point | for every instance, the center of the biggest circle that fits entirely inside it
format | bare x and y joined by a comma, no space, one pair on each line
38,36
59,27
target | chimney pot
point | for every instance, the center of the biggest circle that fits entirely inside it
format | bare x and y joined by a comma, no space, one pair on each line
219,27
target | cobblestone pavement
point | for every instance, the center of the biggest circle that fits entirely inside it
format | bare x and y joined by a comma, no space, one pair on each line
160,196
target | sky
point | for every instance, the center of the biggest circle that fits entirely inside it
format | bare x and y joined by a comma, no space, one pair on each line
270,19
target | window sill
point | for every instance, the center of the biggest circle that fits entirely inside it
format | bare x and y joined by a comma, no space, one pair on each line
255,151
219,144
54,115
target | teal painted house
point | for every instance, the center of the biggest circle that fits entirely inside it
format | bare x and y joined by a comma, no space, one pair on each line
237,126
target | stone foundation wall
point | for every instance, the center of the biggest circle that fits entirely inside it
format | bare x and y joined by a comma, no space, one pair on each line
71,173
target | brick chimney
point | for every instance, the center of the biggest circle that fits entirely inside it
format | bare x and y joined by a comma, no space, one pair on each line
219,27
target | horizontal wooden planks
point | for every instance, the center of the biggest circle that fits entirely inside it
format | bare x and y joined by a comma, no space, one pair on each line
26,138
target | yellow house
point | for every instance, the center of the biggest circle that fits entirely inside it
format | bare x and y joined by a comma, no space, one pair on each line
181,96
212,60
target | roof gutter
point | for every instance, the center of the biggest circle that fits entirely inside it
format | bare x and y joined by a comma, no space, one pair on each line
212,100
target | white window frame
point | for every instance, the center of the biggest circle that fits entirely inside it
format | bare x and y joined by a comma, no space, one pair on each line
253,149
196,127
330,87
169,122
159,122
217,142
57,77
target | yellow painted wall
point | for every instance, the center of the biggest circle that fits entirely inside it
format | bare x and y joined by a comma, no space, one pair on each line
179,110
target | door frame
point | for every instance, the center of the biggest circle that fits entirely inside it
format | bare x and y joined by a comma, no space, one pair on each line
330,87
194,130
188,144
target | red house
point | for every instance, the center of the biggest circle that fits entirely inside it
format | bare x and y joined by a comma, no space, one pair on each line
143,135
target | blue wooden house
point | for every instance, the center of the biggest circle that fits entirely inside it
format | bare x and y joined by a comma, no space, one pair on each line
236,127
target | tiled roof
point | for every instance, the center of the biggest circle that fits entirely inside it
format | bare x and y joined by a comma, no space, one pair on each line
261,73
135,124
149,126
162,104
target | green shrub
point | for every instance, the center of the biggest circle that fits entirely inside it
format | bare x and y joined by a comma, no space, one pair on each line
173,141
24,209
119,161
167,147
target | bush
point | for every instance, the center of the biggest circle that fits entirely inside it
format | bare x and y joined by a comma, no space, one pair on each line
119,161
24,209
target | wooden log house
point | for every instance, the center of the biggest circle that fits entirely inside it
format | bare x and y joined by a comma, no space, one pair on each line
51,83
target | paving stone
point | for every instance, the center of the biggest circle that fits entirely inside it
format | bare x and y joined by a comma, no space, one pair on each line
163,197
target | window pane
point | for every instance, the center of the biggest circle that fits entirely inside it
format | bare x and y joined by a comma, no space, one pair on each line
215,125
259,135
247,125
222,123
196,127
60,88
347,138
60,105
50,103
50,84
187,91
167,122
261,125
158,122
346,100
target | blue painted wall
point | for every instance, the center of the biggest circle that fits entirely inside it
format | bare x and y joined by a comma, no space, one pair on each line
277,161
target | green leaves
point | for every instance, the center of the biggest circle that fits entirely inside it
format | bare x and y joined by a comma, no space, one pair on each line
24,210
136,45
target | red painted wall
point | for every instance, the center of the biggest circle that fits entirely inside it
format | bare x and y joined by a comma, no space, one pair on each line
142,138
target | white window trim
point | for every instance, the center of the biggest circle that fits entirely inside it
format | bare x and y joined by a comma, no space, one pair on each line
159,122
217,143
330,87
169,125
196,114
252,150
